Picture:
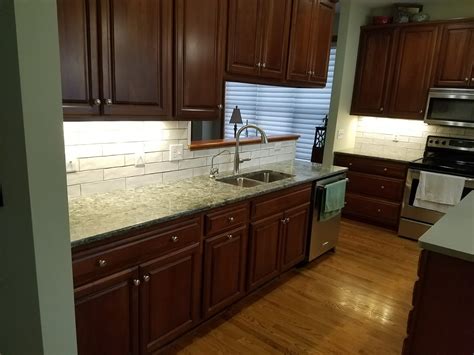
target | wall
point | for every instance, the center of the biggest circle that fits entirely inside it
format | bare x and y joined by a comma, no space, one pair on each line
106,154
36,299
352,16
400,138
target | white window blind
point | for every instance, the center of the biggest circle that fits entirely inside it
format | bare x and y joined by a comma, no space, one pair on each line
281,110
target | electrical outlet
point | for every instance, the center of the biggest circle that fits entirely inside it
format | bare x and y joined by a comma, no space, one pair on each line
340,134
176,152
72,165
395,138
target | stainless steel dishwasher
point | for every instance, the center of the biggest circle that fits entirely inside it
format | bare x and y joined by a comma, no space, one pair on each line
324,234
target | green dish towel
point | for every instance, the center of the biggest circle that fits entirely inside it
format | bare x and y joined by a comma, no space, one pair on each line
333,200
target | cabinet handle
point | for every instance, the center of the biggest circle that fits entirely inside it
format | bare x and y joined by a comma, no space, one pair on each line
231,219
350,164
382,187
108,102
466,79
146,278
379,210
258,65
220,107
136,282
283,220
264,65
421,111
174,238
308,72
102,262
97,102
229,236
287,219
385,169
381,109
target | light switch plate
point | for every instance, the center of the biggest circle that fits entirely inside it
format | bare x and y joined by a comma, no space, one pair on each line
176,152
72,165
340,134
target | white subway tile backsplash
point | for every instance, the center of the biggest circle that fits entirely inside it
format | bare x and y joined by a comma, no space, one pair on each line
107,153
143,180
125,171
161,167
101,162
102,187
82,177
177,175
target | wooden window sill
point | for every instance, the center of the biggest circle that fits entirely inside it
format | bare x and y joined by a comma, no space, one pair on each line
217,143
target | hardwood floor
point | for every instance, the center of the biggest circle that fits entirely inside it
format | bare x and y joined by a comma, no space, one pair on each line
354,301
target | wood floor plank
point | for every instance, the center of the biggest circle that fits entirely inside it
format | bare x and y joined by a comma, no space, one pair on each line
353,301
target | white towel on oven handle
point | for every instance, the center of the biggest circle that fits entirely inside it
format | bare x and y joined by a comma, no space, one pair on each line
438,191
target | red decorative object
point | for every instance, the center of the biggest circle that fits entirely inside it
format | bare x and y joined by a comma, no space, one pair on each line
382,20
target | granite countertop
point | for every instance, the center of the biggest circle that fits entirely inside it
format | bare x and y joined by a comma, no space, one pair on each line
453,234
395,155
106,215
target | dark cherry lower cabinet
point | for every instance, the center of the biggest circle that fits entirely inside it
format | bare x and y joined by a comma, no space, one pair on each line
136,294
276,244
225,258
107,315
169,297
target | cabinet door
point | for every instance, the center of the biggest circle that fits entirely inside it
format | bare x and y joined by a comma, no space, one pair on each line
77,26
294,237
275,37
321,41
455,61
224,270
136,50
200,35
107,315
413,68
264,253
169,297
244,37
470,62
299,58
373,73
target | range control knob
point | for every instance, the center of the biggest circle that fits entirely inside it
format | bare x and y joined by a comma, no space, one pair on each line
431,141
443,142
437,142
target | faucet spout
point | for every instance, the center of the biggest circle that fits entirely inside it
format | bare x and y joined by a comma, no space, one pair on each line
264,140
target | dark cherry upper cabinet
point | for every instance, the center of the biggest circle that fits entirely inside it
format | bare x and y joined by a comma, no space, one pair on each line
456,58
310,41
322,38
107,315
224,270
373,72
258,35
77,25
169,297
137,57
413,70
264,246
294,236
200,56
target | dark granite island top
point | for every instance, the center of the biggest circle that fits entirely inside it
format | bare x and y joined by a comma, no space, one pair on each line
106,215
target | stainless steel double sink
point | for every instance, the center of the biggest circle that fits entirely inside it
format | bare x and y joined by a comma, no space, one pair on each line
255,178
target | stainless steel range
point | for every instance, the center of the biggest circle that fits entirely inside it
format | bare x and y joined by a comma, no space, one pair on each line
444,155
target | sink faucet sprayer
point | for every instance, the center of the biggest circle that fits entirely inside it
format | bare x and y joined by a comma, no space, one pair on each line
237,159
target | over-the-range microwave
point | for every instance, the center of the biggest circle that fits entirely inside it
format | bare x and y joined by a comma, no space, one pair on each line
450,107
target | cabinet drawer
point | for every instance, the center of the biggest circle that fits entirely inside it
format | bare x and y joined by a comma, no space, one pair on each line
373,185
225,219
280,201
372,209
96,262
371,165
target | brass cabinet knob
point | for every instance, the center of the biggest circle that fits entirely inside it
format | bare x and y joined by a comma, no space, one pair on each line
102,262
230,236
108,102
97,102
258,65
421,111
220,107
136,282
283,220
385,169
382,187
381,109
379,210
287,219
264,65
231,219
466,79
146,278
174,238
